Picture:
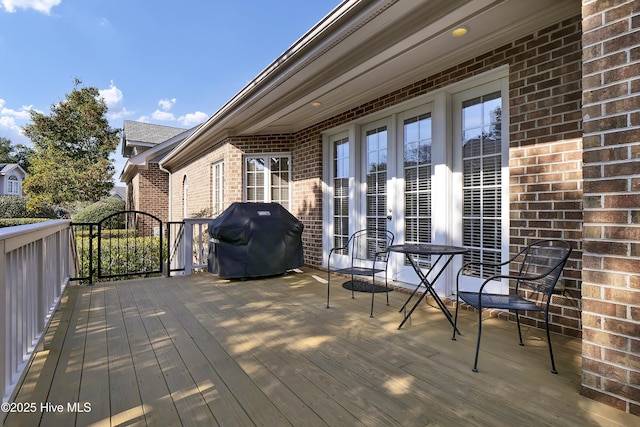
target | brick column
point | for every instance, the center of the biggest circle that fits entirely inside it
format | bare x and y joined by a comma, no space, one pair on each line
611,249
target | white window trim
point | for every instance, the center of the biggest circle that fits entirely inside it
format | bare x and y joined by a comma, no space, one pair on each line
15,182
501,85
185,196
267,178
215,177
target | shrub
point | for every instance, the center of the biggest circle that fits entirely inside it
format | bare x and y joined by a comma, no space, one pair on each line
98,211
16,207
12,222
120,255
13,207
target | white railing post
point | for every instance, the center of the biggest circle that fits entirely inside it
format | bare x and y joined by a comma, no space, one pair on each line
4,317
196,243
188,246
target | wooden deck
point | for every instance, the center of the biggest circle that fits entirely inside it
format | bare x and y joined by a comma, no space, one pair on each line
200,351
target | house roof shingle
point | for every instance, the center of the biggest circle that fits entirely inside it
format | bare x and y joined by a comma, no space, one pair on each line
149,133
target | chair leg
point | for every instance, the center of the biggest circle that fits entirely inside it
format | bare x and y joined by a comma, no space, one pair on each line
455,319
546,322
373,293
353,285
518,323
328,284
386,285
475,362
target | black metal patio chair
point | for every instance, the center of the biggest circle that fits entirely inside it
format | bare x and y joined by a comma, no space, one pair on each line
540,266
368,256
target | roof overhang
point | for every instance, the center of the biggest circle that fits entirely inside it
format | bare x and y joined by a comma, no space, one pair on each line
152,155
13,167
363,50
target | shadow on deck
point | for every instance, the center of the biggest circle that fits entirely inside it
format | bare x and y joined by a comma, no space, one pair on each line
199,350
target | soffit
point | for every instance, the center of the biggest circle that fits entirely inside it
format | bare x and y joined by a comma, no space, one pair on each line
374,48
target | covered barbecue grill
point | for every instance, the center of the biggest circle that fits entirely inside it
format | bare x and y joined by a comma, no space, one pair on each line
254,240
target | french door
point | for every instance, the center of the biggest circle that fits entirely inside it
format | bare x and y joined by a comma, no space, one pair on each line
481,164
435,173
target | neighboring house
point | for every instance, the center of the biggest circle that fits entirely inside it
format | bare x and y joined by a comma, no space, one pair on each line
118,193
11,177
144,145
482,123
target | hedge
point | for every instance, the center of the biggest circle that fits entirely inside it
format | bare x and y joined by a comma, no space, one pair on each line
96,212
120,255
12,222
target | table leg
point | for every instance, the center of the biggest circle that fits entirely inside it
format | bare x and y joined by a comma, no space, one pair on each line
429,288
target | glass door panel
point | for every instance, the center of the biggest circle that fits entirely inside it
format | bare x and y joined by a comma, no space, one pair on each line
376,179
482,163
417,182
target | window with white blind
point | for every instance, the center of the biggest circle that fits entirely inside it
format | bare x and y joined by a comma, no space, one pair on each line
376,179
185,197
268,179
482,180
217,188
417,181
341,192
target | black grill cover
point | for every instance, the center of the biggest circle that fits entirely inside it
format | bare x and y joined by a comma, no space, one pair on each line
254,240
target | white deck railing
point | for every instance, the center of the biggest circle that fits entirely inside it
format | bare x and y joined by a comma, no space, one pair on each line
36,262
196,237
192,245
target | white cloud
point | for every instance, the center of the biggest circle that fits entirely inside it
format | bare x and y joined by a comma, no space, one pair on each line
166,104
21,114
193,119
113,98
11,122
43,6
163,116
8,123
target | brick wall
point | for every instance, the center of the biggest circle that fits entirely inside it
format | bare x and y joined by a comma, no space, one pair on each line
153,191
545,150
611,261
545,159
199,172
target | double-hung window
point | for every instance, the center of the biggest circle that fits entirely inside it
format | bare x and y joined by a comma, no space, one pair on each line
218,188
13,185
268,179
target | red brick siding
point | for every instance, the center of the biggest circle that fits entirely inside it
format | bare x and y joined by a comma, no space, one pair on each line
545,150
153,192
148,191
199,172
611,260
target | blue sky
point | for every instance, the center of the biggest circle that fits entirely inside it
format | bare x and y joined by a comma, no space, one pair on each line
167,62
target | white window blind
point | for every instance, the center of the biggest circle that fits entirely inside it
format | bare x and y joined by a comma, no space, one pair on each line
481,160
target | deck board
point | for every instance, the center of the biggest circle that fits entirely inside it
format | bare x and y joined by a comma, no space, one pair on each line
199,350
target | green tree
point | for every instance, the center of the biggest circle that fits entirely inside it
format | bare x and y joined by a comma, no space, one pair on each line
22,156
18,153
72,147
5,150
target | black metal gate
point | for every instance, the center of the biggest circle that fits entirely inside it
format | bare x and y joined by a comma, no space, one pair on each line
129,244
124,244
